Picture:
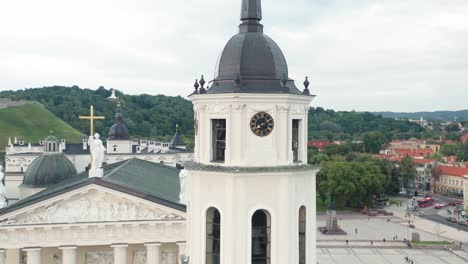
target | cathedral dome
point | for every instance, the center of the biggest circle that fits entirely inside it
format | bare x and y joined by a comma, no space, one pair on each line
251,62
119,131
48,169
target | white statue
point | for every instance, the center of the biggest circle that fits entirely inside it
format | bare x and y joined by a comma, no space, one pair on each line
183,182
3,199
97,150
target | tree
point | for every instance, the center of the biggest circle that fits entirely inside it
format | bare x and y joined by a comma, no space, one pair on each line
373,141
436,156
350,183
449,149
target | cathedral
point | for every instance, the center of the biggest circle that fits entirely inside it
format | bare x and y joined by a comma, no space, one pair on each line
246,197
25,162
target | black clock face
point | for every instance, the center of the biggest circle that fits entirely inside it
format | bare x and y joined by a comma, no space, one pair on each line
262,124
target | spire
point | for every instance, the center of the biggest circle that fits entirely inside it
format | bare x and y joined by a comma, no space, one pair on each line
251,10
251,14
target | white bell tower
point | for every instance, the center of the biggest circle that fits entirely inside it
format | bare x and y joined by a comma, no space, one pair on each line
250,193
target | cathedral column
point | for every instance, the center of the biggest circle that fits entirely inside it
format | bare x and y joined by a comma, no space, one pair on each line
34,255
2,256
69,254
120,253
182,249
153,253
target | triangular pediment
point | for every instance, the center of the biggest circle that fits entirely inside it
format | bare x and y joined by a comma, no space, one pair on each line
91,203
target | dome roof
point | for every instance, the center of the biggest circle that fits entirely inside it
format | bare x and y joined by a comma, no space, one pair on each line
50,169
119,131
251,62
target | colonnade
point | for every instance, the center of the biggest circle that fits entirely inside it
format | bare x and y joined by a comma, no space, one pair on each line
69,254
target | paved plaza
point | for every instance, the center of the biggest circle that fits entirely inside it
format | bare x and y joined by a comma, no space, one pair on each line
388,256
332,249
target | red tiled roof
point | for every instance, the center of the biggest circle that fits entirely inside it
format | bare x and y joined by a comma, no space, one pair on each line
414,153
464,138
423,161
453,171
318,144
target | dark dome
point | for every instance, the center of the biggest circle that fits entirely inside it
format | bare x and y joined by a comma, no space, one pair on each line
49,169
252,62
252,55
119,131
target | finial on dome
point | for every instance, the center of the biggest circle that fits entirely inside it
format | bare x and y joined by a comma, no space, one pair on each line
251,14
251,9
306,86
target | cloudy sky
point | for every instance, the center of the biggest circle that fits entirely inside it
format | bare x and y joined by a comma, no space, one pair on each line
397,55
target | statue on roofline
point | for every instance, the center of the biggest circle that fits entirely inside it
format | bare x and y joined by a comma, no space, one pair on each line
97,150
3,199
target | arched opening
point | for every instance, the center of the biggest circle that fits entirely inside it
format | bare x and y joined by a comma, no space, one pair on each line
213,236
302,235
261,237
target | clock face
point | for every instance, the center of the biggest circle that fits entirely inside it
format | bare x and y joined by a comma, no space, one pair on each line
262,124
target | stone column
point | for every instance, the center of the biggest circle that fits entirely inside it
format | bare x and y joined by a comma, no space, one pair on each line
34,255
68,254
182,250
2,256
120,253
153,253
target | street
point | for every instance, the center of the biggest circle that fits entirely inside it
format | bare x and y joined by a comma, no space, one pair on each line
438,215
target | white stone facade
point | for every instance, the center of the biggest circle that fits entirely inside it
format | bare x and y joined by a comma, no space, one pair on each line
93,224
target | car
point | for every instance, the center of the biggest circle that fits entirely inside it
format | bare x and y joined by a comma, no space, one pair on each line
463,222
438,206
451,219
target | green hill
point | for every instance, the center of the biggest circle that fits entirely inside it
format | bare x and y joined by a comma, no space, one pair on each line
33,122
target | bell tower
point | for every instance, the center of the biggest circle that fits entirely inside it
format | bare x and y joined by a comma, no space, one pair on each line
250,193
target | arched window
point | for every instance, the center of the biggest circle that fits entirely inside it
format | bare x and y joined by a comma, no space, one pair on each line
213,236
261,237
302,235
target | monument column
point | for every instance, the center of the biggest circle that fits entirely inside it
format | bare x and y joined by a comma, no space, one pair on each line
69,254
120,253
2,256
34,255
153,253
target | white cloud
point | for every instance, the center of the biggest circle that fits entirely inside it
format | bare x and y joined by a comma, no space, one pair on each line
366,55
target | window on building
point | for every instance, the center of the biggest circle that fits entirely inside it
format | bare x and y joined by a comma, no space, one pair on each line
302,235
213,236
218,139
295,139
261,237
115,147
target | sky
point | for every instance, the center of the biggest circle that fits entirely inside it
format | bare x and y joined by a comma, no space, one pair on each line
363,55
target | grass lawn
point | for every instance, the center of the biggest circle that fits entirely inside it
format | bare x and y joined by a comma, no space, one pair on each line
432,243
33,122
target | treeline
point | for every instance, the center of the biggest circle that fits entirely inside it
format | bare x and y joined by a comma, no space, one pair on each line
145,115
350,179
348,126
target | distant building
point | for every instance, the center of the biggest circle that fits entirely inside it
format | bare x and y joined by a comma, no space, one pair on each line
413,148
318,144
449,180
424,167
20,155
